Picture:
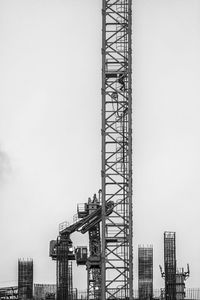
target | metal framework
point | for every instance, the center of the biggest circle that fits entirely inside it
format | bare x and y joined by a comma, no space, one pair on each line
64,268
174,278
117,270
70,280
181,277
145,272
169,274
61,249
170,265
25,279
94,259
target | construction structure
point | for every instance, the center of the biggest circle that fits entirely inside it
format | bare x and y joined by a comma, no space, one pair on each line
116,261
25,279
145,272
61,250
170,265
9,293
181,277
93,264
70,280
44,291
174,278
110,262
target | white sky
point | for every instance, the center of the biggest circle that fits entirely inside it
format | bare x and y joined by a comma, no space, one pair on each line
50,124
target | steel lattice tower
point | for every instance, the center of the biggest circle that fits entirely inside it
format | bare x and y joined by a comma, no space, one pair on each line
117,270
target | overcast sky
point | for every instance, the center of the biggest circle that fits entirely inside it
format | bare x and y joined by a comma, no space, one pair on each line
50,127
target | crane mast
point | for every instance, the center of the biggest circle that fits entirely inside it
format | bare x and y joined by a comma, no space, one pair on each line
117,269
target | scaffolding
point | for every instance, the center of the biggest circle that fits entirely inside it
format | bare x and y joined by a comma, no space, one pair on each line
145,272
25,279
117,270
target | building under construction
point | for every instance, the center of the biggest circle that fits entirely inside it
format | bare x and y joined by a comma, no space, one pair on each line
108,219
145,272
25,279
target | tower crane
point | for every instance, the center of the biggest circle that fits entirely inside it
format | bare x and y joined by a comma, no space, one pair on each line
115,212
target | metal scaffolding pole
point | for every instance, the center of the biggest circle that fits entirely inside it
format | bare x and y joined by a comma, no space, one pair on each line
117,269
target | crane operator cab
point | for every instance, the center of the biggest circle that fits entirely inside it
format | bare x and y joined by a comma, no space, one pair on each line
85,209
81,255
82,210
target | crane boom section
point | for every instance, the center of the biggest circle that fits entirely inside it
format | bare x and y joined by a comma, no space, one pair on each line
86,223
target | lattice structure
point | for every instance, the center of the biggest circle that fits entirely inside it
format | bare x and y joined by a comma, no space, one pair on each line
145,272
170,265
180,284
64,268
25,279
174,278
94,259
117,270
